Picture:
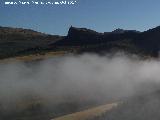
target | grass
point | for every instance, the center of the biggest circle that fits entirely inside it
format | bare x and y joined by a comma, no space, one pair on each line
34,57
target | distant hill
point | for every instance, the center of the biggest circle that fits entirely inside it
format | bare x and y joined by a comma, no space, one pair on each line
9,30
19,42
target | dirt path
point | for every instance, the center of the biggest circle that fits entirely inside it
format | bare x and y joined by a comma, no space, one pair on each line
88,114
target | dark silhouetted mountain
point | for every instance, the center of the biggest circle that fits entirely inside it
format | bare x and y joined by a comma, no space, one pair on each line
133,41
149,41
92,41
83,36
80,37
18,41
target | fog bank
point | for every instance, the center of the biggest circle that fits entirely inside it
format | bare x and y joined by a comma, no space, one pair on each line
84,78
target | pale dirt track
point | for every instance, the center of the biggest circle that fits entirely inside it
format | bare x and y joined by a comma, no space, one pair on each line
88,114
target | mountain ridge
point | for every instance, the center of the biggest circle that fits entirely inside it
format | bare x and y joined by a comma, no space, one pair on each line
19,41
133,41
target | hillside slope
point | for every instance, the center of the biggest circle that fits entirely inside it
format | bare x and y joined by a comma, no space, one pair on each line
18,41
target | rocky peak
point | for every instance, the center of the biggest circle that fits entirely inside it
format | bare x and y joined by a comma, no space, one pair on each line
118,31
73,31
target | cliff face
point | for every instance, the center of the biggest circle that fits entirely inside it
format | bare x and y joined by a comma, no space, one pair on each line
81,31
83,36
80,37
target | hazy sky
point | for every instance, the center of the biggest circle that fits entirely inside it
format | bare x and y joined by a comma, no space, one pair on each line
100,15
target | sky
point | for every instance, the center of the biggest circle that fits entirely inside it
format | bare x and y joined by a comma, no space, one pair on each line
99,15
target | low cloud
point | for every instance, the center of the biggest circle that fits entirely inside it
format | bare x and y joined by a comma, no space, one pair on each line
82,77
